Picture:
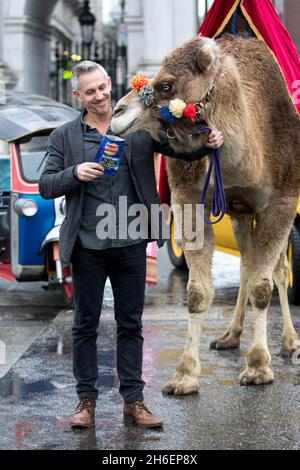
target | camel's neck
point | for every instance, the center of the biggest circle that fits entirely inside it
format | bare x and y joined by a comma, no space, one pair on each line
229,113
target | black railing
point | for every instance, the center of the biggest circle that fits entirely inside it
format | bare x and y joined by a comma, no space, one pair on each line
107,54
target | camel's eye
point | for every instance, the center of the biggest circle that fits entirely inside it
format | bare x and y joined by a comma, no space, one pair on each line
164,87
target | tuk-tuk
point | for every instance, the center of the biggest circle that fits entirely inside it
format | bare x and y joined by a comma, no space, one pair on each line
29,224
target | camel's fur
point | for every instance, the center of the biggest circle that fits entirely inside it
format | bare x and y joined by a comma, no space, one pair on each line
261,174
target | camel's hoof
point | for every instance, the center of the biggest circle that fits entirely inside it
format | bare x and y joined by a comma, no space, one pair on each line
286,352
186,386
289,348
296,357
169,388
256,376
225,342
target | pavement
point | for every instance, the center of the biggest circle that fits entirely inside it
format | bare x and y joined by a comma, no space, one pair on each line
37,394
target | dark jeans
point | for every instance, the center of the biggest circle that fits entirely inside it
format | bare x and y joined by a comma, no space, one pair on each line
126,268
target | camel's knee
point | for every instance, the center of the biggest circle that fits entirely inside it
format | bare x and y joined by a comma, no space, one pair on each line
260,293
199,297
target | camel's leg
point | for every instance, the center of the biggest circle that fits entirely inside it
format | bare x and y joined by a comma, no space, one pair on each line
281,277
268,241
200,289
258,359
231,338
200,295
242,226
188,369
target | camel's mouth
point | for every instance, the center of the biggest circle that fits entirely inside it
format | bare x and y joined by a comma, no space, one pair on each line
130,125
117,112
182,141
181,135
124,129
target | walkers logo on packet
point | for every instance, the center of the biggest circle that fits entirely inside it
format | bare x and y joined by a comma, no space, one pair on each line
110,153
111,149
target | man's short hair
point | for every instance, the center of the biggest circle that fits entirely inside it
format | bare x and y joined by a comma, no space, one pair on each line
86,66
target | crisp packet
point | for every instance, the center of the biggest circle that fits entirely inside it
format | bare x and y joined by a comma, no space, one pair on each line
109,154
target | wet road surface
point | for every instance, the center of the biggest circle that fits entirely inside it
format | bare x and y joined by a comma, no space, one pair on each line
37,394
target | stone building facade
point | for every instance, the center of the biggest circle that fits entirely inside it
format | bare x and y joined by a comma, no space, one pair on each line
29,32
154,28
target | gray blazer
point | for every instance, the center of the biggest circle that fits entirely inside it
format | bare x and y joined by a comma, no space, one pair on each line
65,151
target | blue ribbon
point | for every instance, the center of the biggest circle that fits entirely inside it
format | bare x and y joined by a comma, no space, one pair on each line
233,23
233,26
218,203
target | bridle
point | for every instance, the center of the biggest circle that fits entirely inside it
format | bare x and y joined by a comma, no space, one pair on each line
200,108
197,114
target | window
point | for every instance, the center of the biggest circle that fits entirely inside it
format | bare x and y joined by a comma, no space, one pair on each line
33,157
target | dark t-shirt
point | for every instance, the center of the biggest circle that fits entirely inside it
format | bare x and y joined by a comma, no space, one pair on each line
105,220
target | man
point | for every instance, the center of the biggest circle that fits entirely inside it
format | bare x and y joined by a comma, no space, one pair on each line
70,170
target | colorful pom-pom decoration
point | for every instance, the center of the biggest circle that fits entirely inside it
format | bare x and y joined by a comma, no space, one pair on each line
139,81
167,115
146,95
176,107
189,112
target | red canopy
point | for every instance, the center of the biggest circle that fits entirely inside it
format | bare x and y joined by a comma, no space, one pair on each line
267,26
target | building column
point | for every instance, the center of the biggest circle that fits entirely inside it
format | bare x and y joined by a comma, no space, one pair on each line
158,19
166,25
7,78
27,53
135,23
1,32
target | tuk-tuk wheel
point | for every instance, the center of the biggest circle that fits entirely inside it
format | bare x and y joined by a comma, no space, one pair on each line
294,262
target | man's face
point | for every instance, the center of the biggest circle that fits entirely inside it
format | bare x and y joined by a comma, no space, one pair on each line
94,92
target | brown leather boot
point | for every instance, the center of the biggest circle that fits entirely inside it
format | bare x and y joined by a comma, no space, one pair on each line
84,416
138,413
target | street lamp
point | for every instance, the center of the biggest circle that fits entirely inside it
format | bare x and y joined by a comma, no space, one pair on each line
87,22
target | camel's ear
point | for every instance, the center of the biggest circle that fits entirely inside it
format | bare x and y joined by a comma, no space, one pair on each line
207,54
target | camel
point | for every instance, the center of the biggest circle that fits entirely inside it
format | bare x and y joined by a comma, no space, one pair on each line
260,162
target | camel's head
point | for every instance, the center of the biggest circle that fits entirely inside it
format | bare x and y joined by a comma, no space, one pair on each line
187,74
